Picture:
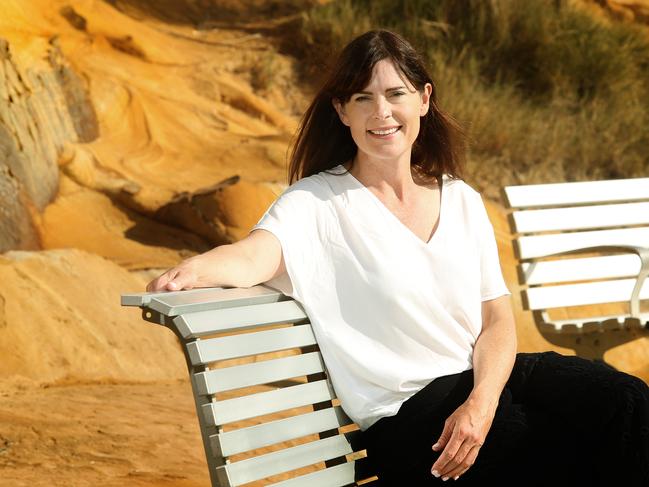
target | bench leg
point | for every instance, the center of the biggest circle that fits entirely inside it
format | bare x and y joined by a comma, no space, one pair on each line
593,345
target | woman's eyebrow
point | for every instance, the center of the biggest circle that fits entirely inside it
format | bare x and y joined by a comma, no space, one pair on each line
388,89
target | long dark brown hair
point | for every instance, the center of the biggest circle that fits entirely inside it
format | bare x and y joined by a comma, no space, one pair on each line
323,141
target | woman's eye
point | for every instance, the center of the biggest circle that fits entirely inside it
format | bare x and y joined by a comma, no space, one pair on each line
362,98
398,93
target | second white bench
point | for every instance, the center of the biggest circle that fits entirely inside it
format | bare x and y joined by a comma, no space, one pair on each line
579,245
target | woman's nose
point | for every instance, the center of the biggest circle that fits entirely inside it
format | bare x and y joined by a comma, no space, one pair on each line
382,108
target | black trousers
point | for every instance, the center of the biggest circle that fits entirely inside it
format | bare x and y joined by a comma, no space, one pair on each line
561,420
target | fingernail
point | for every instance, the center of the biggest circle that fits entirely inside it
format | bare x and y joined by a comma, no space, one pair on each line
435,446
444,479
435,473
456,477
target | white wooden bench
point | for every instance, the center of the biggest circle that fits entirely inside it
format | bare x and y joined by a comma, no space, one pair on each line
264,402
554,223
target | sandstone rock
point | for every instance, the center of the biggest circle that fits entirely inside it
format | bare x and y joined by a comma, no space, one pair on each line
43,104
89,220
70,14
80,164
16,226
62,319
222,213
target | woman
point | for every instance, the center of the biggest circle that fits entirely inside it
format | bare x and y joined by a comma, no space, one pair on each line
394,259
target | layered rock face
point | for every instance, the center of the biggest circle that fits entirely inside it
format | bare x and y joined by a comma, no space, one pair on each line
124,146
138,114
43,105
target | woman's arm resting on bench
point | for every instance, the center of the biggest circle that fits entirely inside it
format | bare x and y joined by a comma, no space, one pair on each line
248,262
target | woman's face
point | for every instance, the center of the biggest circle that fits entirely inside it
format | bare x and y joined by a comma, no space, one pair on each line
384,117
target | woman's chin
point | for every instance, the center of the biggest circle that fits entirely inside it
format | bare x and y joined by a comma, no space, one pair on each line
387,151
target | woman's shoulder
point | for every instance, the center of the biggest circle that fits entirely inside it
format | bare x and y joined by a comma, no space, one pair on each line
307,190
465,197
459,186
323,185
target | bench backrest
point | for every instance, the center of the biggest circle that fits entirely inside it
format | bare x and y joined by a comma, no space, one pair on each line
609,219
264,401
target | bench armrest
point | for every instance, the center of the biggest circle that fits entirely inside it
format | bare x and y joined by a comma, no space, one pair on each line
642,252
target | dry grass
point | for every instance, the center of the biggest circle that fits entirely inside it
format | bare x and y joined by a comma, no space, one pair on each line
548,91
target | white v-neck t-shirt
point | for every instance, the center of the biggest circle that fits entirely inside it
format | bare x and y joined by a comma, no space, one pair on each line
390,311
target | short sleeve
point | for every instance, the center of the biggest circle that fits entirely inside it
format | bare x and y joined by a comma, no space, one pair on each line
291,219
492,282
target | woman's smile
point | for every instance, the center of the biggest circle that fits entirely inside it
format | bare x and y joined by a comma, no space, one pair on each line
384,133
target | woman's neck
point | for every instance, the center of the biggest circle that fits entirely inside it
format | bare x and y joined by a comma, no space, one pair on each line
395,179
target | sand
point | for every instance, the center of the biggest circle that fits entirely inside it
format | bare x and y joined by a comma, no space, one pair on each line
109,434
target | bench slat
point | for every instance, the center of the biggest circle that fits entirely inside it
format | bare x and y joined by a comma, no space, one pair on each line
281,461
193,325
143,299
522,196
582,294
195,300
580,218
258,436
252,405
336,476
221,348
582,269
530,247
238,376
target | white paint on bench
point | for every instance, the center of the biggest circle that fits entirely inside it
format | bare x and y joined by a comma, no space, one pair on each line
575,193
535,246
586,268
218,380
331,477
229,410
581,218
197,324
583,294
274,463
261,435
245,344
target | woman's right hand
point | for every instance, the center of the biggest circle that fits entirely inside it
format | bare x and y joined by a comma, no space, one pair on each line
183,276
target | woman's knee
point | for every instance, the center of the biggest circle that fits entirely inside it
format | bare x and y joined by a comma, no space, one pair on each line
572,387
632,394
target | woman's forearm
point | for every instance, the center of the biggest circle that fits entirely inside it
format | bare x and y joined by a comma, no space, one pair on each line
494,354
222,266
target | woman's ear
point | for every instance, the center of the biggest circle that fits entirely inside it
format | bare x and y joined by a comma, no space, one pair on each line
425,99
340,109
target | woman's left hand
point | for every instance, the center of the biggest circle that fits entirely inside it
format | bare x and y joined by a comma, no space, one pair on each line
464,433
